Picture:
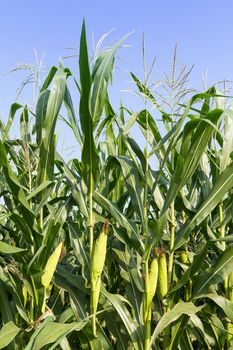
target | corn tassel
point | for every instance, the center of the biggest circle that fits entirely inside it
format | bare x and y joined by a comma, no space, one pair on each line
97,264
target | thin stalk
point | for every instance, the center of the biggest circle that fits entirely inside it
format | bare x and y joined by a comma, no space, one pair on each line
167,330
92,308
221,229
147,319
172,240
91,240
227,281
166,339
222,235
183,215
41,219
145,204
147,315
91,229
30,186
229,325
172,207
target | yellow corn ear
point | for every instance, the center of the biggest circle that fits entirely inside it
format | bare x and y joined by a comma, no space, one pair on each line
51,266
95,294
97,264
25,293
162,275
153,278
230,286
188,290
99,254
183,257
150,289
229,327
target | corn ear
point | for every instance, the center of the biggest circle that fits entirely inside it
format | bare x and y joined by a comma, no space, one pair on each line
229,327
162,275
25,294
51,266
188,290
99,254
184,257
95,293
153,278
150,289
230,286
97,264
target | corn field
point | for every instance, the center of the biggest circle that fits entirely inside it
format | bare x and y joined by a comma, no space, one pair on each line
123,246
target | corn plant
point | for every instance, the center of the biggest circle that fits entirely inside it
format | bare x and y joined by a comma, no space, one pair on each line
123,246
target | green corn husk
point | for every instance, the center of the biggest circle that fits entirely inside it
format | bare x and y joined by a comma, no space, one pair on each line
97,265
229,328
153,278
230,286
183,257
151,289
188,290
162,275
95,294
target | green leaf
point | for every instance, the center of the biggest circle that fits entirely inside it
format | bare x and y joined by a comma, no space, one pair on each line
40,188
101,75
227,147
76,288
120,218
41,107
9,249
187,163
131,325
80,250
145,91
6,312
49,78
88,341
52,332
220,188
7,333
215,274
133,184
90,158
55,223
172,315
152,131
14,108
53,102
71,114
225,304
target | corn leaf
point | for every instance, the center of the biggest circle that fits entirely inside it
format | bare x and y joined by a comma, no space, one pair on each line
9,249
220,188
225,304
101,75
53,101
216,273
172,315
90,158
7,333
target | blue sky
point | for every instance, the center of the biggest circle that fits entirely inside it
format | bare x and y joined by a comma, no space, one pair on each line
202,29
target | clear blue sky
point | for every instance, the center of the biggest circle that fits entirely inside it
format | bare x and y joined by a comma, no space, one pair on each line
203,31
